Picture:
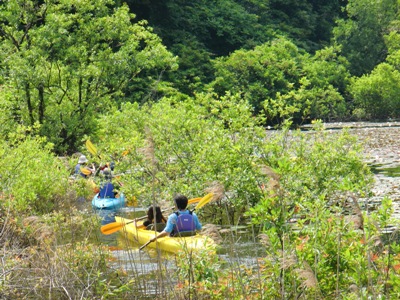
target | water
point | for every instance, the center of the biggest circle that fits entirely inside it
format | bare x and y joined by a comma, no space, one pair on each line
381,152
386,170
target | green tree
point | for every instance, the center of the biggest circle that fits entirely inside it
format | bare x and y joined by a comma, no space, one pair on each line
32,178
280,80
225,26
64,62
221,26
361,33
323,90
198,31
308,23
195,68
260,73
376,95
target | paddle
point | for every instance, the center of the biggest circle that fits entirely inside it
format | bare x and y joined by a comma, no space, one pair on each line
144,245
92,149
115,226
85,171
206,199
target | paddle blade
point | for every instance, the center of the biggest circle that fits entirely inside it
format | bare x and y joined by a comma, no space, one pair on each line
207,198
85,171
92,149
111,227
194,200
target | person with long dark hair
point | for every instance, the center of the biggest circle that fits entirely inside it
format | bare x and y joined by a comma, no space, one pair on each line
159,220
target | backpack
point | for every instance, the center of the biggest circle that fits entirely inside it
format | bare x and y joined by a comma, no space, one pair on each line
184,225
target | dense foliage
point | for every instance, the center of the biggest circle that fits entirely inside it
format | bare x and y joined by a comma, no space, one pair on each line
283,82
171,146
32,177
376,94
362,32
64,63
178,95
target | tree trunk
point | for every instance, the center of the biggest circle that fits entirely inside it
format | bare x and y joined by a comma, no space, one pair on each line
29,103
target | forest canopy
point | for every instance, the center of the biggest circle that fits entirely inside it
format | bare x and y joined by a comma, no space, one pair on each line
65,63
196,97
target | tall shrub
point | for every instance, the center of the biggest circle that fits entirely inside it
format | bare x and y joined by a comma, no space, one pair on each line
32,177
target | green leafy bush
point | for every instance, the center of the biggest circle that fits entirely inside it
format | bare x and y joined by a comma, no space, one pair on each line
377,93
172,146
281,81
32,177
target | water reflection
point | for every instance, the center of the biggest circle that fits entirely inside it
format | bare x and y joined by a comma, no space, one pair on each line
385,170
107,215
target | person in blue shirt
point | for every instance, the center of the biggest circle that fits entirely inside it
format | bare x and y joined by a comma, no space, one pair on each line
82,163
107,188
181,203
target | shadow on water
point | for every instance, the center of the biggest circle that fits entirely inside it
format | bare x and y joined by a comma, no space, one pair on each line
385,170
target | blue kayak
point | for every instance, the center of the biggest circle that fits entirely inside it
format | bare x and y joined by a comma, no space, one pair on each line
108,203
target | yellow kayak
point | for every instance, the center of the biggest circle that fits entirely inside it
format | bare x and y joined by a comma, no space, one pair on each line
141,236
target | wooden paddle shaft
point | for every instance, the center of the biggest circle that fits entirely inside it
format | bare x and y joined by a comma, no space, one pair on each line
144,245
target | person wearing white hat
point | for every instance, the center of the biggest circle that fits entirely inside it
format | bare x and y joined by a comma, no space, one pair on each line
82,161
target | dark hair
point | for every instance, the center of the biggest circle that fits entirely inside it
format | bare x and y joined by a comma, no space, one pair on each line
159,215
181,201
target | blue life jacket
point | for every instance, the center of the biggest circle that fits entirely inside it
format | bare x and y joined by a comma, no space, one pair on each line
107,191
184,223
